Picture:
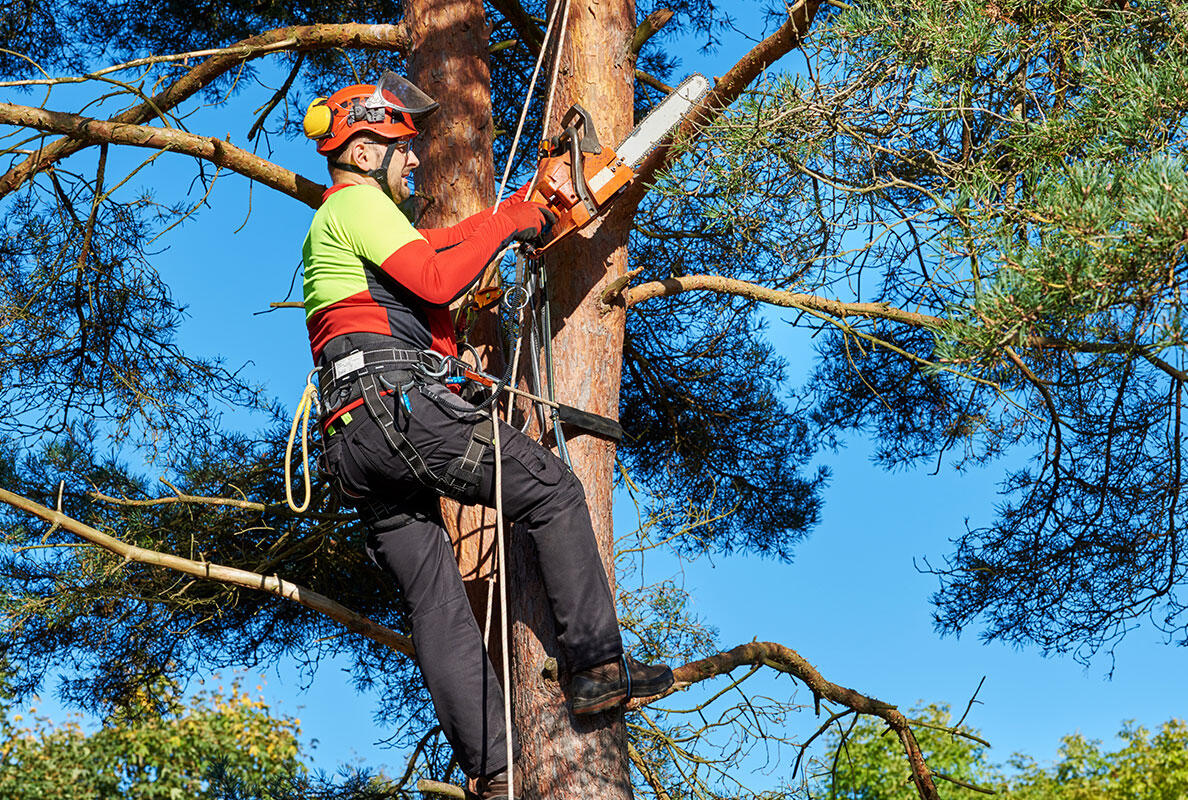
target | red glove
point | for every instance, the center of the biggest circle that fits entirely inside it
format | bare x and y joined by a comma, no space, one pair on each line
532,220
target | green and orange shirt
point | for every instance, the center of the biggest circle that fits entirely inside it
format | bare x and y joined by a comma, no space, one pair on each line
367,269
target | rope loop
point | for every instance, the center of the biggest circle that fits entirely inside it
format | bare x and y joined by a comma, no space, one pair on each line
309,401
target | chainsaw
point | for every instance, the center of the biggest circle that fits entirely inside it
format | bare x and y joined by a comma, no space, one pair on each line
578,177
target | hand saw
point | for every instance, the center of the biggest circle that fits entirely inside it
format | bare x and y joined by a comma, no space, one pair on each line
578,176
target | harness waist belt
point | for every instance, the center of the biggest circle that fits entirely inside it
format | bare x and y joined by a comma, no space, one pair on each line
338,381
365,362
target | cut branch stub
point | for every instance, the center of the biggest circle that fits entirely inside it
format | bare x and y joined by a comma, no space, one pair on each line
649,28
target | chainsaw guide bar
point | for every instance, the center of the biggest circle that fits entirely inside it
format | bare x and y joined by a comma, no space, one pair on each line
578,177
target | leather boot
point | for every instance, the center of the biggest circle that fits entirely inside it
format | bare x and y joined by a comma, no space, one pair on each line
494,787
610,684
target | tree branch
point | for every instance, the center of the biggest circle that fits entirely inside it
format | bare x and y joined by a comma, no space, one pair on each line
837,308
84,130
727,89
778,297
648,79
189,499
299,38
649,28
786,660
232,576
527,29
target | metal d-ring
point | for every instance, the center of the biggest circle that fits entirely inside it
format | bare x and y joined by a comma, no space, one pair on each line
520,293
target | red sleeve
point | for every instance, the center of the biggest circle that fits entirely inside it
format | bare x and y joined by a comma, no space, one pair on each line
443,238
439,278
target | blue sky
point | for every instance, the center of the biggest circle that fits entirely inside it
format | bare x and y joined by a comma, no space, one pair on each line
852,602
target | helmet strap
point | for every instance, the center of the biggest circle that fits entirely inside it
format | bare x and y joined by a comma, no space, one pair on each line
379,174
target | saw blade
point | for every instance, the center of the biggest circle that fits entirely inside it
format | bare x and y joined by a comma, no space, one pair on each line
663,119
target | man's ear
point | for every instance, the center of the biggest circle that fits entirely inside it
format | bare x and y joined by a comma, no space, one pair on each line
367,157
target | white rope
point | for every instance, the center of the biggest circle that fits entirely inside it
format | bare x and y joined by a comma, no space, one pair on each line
500,544
553,81
505,622
544,46
309,398
511,155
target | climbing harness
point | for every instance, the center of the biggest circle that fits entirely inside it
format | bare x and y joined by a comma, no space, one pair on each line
365,378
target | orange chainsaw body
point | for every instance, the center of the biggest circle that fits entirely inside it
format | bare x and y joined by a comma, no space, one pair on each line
577,176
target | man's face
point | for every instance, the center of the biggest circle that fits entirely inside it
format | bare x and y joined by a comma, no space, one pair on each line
404,161
370,155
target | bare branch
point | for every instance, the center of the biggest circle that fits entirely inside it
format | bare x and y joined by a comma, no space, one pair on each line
754,291
786,660
232,576
299,38
648,774
84,130
839,309
276,98
189,499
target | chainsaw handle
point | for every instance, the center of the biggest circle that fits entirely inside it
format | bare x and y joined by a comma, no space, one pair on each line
577,170
576,113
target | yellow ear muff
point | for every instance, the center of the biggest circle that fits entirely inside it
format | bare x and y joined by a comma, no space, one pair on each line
318,119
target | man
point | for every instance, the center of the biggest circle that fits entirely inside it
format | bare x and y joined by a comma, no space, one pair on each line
377,295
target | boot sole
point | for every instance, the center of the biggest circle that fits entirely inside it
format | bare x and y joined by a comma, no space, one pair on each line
648,690
600,703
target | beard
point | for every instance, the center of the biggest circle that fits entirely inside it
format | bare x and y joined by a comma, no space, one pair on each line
400,190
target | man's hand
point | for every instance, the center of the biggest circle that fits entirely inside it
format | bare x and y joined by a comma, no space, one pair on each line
532,221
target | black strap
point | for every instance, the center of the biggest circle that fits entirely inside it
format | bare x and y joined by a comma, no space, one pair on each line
380,412
379,174
463,476
338,380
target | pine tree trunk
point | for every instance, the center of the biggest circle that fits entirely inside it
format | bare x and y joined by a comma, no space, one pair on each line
449,61
564,756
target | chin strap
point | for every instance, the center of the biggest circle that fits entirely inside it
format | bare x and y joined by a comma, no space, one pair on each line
379,174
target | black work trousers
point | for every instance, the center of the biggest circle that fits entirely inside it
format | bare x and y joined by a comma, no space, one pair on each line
406,537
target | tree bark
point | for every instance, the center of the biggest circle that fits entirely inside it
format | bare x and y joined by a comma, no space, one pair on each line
448,60
565,756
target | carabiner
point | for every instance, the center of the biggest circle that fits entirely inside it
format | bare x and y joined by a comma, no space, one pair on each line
438,373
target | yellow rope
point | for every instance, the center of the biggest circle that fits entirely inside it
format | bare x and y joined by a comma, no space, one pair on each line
309,398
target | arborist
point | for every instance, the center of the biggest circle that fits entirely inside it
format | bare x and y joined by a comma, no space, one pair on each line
377,296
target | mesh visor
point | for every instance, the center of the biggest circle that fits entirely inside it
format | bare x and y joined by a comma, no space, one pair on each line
395,92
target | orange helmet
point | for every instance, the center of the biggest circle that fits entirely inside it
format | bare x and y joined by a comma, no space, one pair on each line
388,110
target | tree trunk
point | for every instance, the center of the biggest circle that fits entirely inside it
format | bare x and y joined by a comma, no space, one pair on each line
565,756
562,756
449,61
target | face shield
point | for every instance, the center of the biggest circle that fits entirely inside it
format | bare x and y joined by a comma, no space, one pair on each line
397,93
